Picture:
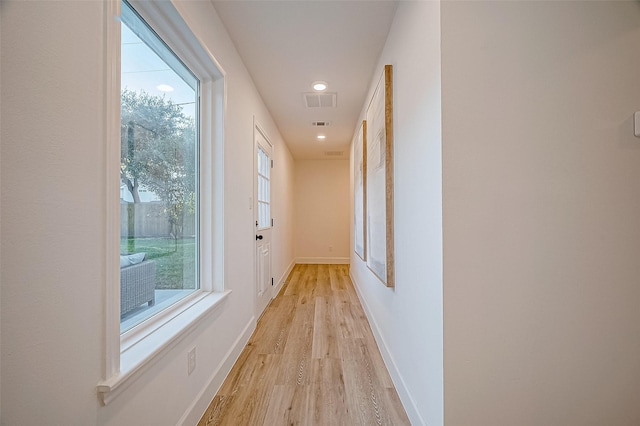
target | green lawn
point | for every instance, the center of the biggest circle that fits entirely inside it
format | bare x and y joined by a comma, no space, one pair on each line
175,260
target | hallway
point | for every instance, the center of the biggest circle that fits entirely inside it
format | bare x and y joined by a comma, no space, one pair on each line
312,360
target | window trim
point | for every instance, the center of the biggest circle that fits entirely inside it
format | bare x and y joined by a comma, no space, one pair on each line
129,353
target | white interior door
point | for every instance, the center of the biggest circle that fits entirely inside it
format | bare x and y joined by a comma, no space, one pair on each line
262,192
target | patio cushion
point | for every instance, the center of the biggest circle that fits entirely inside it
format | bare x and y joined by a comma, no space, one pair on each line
131,259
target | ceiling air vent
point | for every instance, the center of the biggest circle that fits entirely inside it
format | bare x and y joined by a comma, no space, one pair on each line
333,153
321,124
320,100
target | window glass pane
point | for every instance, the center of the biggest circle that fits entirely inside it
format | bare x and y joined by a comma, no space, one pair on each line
264,189
159,175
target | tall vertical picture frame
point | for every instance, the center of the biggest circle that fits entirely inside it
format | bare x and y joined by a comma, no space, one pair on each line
359,194
379,180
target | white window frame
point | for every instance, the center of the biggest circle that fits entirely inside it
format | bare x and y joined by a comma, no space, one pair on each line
128,353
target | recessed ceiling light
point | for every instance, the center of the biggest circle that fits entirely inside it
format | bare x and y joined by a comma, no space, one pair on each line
164,88
321,137
319,86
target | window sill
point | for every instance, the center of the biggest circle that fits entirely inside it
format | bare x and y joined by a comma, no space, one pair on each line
137,355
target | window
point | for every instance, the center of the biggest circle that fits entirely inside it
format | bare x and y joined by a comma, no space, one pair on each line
164,97
159,173
264,188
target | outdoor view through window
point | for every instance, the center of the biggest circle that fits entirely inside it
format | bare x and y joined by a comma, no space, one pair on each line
158,175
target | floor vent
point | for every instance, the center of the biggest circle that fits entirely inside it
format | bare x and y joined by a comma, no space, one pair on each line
320,100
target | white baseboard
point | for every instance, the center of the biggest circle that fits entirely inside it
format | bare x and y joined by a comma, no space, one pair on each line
283,278
323,260
195,411
405,397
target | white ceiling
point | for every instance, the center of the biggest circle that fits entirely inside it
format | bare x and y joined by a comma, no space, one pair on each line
287,45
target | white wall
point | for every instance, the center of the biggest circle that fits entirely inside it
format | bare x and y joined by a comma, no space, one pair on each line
321,212
541,183
407,319
282,211
53,203
52,211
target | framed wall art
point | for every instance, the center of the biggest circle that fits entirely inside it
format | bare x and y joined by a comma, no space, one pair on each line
379,180
359,184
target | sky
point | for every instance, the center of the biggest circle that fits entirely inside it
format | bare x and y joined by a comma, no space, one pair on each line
143,69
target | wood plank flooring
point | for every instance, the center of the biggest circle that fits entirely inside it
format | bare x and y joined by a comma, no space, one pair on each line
312,360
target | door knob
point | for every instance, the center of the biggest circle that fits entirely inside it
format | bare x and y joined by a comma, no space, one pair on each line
258,237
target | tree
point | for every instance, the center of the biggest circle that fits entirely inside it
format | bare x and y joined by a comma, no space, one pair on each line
158,150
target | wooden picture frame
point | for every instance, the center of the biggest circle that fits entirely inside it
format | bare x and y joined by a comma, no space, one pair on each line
379,180
359,193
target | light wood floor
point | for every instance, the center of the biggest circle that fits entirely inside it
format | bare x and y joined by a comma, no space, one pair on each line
312,360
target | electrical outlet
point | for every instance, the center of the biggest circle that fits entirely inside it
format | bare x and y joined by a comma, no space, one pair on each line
330,248
191,360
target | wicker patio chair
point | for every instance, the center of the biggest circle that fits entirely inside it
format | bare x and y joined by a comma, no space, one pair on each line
137,286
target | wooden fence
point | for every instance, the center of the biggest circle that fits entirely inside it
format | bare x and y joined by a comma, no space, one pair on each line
150,220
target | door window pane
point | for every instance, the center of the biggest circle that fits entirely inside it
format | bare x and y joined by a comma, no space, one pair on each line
264,189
